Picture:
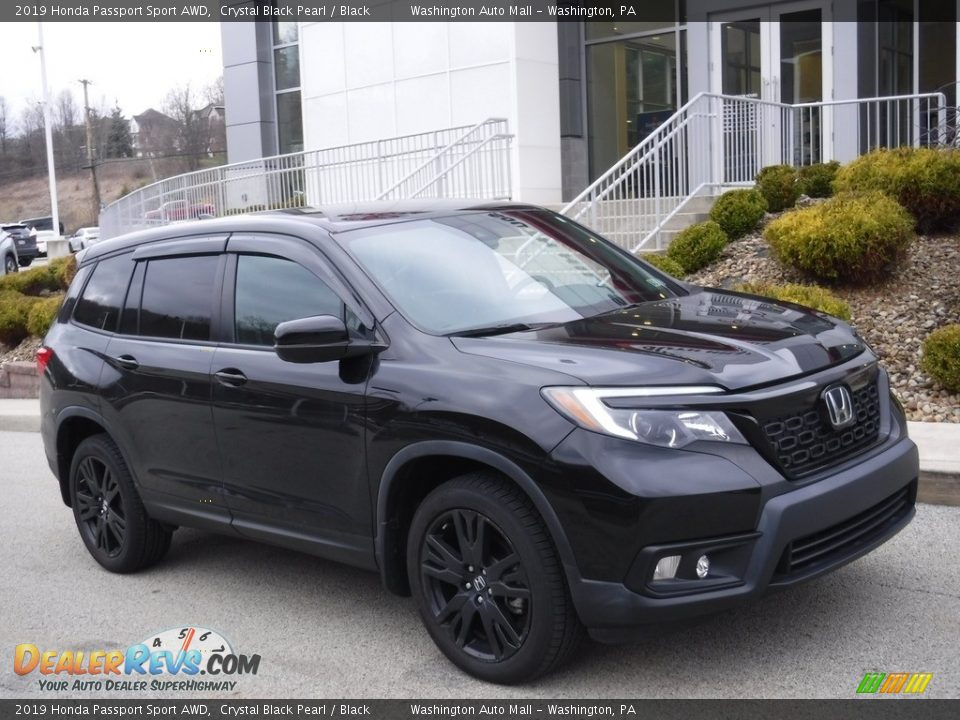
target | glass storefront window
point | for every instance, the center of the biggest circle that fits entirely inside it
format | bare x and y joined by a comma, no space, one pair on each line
285,33
631,89
289,122
286,63
599,30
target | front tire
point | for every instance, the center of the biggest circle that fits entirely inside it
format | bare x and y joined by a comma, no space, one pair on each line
487,581
108,511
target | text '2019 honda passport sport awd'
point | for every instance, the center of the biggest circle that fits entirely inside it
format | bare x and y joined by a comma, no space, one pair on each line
507,417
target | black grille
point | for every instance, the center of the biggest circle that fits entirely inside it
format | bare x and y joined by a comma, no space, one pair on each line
847,537
806,442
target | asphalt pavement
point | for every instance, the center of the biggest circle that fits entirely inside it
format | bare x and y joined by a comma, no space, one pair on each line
326,631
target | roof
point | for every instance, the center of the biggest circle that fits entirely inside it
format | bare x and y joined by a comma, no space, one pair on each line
151,115
331,218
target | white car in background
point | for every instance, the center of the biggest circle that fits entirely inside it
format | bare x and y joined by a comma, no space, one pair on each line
84,238
42,237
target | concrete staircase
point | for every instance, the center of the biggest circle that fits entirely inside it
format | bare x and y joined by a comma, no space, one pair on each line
626,222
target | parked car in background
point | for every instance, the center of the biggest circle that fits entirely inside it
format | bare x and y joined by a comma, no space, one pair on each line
42,236
41,223
83,238
8,254
180,210
24,239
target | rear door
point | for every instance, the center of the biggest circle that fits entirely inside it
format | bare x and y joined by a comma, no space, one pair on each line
156,380
291,435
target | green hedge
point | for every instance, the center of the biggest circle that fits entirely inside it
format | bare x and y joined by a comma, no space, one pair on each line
941,356
848,238
925,181
780,187
29,299
811,296
664,263
739,212
697,246
816,180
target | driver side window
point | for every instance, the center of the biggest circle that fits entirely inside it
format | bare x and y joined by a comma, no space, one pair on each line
271,290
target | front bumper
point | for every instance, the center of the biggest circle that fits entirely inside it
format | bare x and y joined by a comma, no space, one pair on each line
860,495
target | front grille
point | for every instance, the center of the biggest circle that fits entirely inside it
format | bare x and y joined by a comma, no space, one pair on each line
805,442
845,538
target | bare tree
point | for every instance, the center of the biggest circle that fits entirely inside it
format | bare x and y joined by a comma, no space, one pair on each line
31,134
69,135
214,92
66,113
179,105
3,125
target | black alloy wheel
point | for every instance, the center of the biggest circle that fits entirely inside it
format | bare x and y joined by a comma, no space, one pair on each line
476,585
113,524
487,580
99,507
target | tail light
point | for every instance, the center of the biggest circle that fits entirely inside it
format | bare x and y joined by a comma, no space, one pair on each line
44,355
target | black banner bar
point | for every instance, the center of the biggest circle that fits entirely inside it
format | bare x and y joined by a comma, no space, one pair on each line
859,709
370,11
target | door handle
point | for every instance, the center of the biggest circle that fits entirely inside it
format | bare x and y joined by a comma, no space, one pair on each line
231,377
127,362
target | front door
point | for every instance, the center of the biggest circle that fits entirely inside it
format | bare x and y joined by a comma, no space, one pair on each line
781,54
291,436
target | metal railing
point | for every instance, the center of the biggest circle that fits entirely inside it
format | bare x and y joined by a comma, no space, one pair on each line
463,162
716,142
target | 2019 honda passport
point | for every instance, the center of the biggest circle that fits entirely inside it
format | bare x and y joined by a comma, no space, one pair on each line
527,429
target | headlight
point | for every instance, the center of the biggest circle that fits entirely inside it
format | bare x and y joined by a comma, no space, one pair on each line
665,428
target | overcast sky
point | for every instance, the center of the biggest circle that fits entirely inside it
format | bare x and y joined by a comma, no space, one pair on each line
133,64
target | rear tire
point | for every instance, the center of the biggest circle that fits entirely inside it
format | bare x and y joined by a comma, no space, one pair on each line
487,581
110,516
10,265
26,262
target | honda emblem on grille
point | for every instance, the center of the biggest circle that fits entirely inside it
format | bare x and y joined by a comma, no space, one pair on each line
839,406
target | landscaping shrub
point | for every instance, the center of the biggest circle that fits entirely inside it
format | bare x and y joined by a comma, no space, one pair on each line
925,181
816,180
14,310
697,246
811,296
941,356
63,269
42,314
664,263
739,212
850,237
779,186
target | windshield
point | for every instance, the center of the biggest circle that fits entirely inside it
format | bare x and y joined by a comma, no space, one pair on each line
499,269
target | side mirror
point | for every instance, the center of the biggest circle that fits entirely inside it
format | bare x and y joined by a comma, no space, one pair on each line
320,338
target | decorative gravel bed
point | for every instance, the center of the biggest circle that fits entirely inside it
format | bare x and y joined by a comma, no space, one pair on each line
919,296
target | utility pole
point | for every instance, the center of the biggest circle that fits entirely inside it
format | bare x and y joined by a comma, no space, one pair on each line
90,156
51,170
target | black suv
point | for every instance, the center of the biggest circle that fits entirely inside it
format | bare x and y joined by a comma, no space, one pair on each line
526,428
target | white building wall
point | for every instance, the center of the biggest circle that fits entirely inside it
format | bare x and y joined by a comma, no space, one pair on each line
366,81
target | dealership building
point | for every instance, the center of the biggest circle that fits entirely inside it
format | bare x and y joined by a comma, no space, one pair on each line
576,95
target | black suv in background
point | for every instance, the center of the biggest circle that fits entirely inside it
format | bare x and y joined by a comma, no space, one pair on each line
527,429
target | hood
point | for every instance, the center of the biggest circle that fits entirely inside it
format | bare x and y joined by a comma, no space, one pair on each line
712,337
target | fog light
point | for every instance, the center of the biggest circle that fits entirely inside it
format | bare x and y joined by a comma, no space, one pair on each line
703,567
667,567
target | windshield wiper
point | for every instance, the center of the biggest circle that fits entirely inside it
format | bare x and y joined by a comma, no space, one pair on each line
503,329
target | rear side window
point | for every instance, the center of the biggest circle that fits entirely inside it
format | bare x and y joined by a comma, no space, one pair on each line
99,306
271,290
178,295
73,292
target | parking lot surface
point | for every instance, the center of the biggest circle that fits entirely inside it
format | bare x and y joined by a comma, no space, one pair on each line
326,630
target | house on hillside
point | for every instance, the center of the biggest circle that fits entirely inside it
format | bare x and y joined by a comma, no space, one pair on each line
153,134
212,129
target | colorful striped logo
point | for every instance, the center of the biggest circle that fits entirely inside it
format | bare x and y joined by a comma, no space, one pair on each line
893,683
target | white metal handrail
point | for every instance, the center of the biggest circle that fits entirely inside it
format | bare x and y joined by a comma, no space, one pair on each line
471,161
715,142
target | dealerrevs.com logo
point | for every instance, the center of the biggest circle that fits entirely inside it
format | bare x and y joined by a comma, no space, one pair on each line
170,660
